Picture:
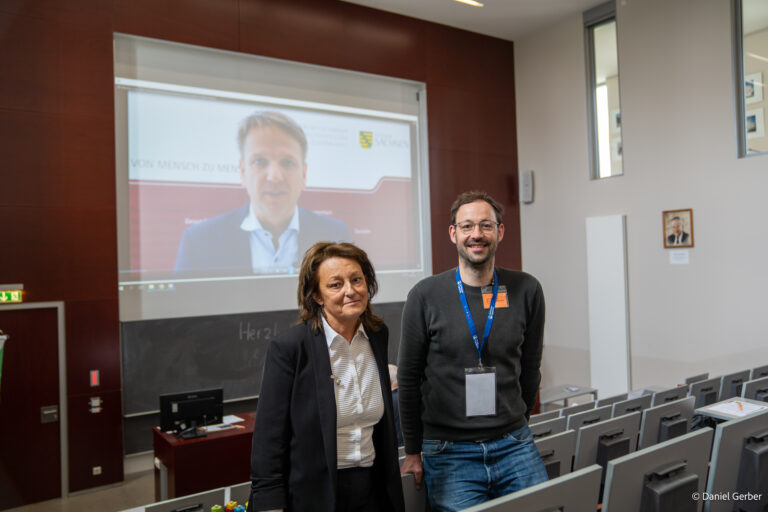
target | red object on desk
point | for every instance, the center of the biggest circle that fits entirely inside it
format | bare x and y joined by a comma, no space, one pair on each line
194,465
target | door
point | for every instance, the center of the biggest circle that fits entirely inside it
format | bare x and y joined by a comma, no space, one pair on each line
30,458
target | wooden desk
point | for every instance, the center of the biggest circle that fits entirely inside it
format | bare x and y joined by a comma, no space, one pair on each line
194,465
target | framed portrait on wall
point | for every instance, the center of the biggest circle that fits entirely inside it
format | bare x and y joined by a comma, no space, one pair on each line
753,87
677,228
754,123
615,120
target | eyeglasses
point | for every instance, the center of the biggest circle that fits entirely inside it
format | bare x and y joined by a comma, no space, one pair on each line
467,228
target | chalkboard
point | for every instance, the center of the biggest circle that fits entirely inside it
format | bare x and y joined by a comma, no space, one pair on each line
227,351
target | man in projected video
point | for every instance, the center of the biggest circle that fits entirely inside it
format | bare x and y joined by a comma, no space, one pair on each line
270,233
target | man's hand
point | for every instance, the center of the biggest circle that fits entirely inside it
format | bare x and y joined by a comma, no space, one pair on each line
412,464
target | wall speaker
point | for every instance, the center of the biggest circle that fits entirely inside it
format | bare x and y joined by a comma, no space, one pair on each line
526,187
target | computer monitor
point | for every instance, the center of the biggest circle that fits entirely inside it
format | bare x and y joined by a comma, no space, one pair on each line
730,384
696,378
756,389
638,404
705,391
660,478
200,502
544,416
759,372
740,465
611,400
606,440
182,411
580,419
548,428
240,493
665,422
573,409
575,492
557,452
669,395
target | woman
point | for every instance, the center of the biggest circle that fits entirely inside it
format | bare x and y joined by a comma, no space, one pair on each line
324,438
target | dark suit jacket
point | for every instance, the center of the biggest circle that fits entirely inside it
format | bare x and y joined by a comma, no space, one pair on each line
683,238
293,455
219,245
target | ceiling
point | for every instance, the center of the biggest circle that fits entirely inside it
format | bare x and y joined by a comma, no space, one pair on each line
506,19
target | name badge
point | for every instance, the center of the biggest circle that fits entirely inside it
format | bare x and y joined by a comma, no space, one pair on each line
480,390
501,298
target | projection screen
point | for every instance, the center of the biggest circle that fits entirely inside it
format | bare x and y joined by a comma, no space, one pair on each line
230,165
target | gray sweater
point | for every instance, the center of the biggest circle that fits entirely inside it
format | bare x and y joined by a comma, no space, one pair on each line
436,347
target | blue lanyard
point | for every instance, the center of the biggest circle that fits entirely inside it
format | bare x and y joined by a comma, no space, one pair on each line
471,323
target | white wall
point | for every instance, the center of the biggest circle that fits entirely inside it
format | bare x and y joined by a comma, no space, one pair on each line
679,133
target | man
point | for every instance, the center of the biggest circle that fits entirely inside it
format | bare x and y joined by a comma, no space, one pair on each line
678,236
468,368
269,234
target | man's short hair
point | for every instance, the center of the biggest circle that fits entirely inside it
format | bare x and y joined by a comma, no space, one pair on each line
673,219
265,119
471,196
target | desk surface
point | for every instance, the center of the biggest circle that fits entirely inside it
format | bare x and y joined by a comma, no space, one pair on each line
733,408
194,465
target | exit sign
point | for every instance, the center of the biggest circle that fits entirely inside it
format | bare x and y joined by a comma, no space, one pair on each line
10,296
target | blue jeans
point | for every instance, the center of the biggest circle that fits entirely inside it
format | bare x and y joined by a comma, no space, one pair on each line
462,474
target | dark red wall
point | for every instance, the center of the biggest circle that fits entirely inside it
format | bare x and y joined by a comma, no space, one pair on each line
57,184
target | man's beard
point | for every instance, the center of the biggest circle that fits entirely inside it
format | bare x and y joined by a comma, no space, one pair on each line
477,261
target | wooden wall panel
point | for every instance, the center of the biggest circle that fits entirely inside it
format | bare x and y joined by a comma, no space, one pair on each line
335,34
28,57
84,73
93,439
57,190
47,154
212,23
91,323
29,143
61,254
469,61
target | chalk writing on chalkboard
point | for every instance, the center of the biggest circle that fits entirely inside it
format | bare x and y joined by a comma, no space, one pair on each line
247,332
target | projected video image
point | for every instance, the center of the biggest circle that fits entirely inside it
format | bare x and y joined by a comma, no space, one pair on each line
221,187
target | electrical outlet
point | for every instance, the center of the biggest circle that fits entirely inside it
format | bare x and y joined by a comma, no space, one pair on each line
96,470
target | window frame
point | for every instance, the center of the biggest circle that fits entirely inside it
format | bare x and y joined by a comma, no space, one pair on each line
593,18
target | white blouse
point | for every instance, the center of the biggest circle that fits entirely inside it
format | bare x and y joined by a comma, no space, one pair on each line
359,399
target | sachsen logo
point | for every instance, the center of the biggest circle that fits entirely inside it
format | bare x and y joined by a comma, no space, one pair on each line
366,139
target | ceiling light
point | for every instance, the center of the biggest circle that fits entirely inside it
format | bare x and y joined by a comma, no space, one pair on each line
753,55
471,2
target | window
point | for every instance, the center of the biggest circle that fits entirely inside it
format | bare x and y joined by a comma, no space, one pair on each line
603,101
751,55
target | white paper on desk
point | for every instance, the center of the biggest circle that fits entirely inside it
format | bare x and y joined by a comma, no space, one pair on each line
227,422
733,409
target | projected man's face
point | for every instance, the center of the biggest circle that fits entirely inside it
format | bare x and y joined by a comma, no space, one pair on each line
273,171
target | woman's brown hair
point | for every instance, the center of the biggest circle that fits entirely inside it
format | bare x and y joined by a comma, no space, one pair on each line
309,309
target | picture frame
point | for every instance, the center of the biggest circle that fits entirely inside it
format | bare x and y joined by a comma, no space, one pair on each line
615,116
753,87
677,228
617,149
754,123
